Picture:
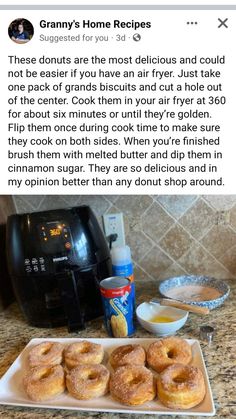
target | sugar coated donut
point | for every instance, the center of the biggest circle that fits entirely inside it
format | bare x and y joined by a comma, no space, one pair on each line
88,381
128,355
43,383
46,353
83,352
181,386
132,385
168,351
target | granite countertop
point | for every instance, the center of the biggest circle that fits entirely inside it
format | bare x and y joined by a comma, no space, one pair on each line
220,357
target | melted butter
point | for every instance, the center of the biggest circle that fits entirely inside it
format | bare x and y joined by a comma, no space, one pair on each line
161,319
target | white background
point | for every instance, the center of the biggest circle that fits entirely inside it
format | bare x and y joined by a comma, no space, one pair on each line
169,36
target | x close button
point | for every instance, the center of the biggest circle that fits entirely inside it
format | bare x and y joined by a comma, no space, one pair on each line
223,23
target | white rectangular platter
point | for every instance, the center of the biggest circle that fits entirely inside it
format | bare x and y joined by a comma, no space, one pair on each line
12,392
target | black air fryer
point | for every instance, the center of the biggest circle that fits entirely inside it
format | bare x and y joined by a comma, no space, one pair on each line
56,260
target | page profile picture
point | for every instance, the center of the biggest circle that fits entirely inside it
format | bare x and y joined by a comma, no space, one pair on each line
20,31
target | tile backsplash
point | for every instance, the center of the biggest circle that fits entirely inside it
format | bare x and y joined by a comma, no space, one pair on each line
169,235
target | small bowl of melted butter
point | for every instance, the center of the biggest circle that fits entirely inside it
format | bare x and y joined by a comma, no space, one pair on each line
160,320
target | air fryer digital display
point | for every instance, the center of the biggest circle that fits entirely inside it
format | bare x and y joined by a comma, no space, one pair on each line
56,231
55,237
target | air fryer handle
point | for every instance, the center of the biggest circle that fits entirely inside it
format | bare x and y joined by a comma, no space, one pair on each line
70,299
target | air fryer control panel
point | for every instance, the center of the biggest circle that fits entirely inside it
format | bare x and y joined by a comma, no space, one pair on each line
35,265
55,237
55,242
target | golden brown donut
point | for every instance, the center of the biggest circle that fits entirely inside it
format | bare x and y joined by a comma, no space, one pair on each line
168,351
132,385
181,386
43,383
82,353
128,355
88,381
46,353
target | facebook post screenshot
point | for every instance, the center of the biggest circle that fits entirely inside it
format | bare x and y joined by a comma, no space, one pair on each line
117,209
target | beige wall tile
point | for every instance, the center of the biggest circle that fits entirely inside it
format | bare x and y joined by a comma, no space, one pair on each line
221,202
98,203
232,217
219,239
140,275
33,200
52,202
111,198
173,270
70,200
25,203
176,205
133,205
216,270
156,222
229,260
176,242
198,262
155,262
198,219
135,224
139,244
21,205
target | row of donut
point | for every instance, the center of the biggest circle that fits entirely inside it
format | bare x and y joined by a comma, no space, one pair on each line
77,353
160,354
178,386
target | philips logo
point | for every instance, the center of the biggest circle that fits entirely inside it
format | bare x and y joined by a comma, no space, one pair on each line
60,259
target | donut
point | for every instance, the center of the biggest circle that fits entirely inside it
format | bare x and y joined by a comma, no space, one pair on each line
132,385
44,382
46,353
181,386
128,355
83,352
168,351
88,381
